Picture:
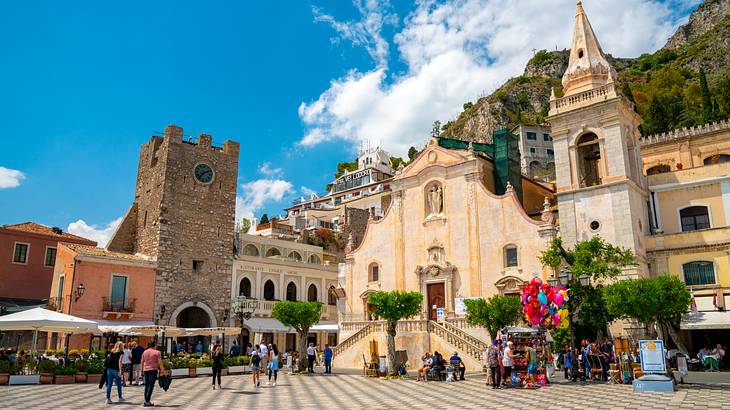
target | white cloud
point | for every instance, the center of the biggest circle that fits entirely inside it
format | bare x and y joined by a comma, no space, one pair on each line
257,193
99,234
266,169
10,178
455,51
307,192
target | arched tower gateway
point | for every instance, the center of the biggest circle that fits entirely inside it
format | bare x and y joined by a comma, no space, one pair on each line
601,188
183,216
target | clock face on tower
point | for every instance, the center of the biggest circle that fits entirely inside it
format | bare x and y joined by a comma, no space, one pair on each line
204,173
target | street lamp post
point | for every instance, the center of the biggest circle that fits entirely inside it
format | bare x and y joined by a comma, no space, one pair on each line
243,308
566,278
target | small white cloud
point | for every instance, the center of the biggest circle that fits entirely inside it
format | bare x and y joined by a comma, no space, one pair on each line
99,234
308,192
10,178
266,169
257,193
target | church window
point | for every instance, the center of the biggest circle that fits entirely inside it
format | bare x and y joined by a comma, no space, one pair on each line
197,266
532,136
295,256
717,159
244,288
595,226
312,293
658,169
699,273
589,160
580,53
314,259
269,290
291,292
374,272
273,252
510,256
250,250
331,296
694,218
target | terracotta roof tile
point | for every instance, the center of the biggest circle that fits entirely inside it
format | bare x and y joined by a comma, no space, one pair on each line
33,227
95,251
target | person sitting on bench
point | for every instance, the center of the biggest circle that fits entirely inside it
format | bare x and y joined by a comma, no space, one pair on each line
459,366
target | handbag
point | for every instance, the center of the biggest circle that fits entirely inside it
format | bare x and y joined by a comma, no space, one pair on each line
164,382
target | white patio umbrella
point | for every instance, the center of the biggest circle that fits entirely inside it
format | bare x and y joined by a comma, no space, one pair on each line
39,319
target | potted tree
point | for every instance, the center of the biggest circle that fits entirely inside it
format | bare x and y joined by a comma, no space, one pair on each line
46,368
65,374
5,366
22,372
94,369
82,367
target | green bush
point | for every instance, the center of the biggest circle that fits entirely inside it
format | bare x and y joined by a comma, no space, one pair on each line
5,366
236,361
179,362
82,366
95,366
204,362
64,370
47,366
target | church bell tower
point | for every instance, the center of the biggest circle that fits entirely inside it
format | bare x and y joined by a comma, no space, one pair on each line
601,187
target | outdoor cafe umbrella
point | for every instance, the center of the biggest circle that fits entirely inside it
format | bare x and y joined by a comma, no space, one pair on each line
39,319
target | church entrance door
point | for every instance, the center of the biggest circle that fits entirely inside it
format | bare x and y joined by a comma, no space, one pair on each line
436,298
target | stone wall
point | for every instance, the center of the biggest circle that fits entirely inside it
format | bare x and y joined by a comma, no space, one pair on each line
356,222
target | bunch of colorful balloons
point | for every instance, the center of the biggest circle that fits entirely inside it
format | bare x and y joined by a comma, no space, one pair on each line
544,304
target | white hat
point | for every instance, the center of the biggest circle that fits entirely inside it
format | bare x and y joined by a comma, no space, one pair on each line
509,343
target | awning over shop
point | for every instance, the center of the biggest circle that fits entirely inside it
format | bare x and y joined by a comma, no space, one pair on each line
132,328
325,326
212,331
267,325
706,320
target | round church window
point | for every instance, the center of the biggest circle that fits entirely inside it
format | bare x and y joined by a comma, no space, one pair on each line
595,225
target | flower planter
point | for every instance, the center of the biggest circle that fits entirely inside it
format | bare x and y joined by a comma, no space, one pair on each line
46,378
192,372
205,370
24,379
93,378
65,379
236,369
81,377
180,372
4,377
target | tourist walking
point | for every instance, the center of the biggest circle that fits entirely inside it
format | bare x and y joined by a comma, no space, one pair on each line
151,366
273,363
311,356
113,366
493,357
256,365
328,354
137,351
264,354
507,358
127,364
217,357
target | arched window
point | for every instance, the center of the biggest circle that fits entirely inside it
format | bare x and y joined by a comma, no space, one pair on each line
694,218
331,296
510,256
312,293
717,159
291,292
658,169
273,252
373,272
589,159
250,250
269,290
295,256
314,259
699,273
244,288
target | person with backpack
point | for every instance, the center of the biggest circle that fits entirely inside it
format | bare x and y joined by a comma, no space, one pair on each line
256,365
273,363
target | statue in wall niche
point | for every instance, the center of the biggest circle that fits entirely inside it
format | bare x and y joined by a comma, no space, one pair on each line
436,200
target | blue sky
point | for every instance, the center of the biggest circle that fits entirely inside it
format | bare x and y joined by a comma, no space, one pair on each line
300,84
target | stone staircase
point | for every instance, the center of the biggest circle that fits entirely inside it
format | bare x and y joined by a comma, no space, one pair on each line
456,337
365,330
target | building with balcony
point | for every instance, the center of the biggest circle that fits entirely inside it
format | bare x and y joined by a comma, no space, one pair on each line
113,289
688,173
272,270
537,158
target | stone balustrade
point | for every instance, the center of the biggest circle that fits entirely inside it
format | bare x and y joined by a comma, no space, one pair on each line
572,101
685,132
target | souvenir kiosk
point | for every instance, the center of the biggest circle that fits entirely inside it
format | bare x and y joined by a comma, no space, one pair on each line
521,338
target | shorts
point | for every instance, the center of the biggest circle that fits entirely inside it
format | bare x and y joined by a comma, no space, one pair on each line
532,368
127,367
255,367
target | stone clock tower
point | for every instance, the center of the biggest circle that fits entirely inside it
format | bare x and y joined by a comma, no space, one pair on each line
183,215
601,187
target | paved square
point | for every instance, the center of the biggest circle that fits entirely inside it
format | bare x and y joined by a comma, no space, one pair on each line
356,392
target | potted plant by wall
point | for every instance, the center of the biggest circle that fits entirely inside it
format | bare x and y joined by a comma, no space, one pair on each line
237,364
179,366
204,366
82,367
23,371
192,367
224,370
65,374
5,366
94,369
46,368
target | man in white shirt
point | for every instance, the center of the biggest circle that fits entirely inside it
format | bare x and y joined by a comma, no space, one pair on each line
311,356
264,356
